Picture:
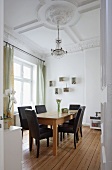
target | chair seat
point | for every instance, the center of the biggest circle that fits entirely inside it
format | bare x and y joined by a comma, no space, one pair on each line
71,122
66,128
42,126
45,132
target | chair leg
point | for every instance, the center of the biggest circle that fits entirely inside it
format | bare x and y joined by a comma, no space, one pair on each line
22,133
74,141
81,131
77,137
36,141
38,148
31,141
47,142
60,136
63,135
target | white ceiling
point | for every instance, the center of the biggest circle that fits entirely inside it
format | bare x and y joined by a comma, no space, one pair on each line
36,20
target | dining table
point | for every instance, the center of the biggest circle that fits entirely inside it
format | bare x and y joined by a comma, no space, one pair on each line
55,119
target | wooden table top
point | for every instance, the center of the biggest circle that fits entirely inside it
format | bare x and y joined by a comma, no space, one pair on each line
55,115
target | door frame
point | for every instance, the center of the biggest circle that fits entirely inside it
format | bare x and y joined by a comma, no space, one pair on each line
1,85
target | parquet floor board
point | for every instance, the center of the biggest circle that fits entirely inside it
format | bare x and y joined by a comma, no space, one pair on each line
85,157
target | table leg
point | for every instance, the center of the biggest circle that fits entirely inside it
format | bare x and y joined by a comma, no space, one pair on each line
54,138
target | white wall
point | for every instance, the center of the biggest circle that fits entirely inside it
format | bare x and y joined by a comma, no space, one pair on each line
85,66
92,82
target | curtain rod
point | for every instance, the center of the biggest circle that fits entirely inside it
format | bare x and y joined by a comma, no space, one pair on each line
23,51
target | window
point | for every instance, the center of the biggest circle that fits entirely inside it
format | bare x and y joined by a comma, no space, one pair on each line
23,78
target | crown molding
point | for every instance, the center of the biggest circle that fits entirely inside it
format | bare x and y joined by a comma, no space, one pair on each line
81,46
71,34
22,42
88,7
15,38
84,45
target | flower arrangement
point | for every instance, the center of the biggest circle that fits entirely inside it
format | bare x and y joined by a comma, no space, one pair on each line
58,100
58,103
11,99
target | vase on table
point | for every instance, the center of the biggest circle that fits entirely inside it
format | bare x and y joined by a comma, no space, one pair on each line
58,105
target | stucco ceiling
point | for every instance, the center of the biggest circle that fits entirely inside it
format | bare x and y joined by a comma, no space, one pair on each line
79,21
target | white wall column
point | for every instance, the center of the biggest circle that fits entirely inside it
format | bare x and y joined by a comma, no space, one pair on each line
1,85
106,56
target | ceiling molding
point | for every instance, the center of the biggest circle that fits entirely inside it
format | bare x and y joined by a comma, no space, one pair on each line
25,24
73,2
88,7
92,43
30,27
84,45
12,37
71,34
63,12
85,2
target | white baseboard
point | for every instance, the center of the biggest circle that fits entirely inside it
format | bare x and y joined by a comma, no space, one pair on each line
86,124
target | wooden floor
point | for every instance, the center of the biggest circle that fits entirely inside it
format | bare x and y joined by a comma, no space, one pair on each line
85,157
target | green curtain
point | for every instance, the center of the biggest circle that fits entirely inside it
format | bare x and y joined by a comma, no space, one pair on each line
41,70
8,74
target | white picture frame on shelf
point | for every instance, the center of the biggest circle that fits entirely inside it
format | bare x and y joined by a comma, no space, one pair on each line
63,79
51,83
66,89
73,80
57,90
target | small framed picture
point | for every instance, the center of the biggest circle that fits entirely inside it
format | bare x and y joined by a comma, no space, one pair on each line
51,83
64,110
73,80
66,89
61,78
56,91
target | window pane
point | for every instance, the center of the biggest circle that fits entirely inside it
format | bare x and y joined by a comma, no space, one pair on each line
26,93
17,88
17,70
26,72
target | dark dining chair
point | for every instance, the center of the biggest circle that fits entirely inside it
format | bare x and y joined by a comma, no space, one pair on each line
35,131
71,128
23,119
74,106
81,119
41,109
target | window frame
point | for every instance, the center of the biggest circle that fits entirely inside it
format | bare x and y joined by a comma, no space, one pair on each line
21,79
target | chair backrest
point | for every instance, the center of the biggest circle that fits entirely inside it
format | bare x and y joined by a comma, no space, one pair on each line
22,116
76,120
40,109
74,106
32,123
82,114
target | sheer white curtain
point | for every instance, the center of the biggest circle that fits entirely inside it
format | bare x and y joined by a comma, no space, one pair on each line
8,74
41,82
